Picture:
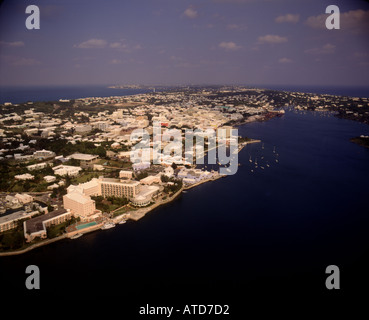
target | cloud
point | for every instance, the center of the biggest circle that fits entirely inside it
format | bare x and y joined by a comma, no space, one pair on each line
123,46
273,39
354,20
118,45
190,13
285,60
14,44
229,46
289,18
115,61
27,62
326,49
237,27
92,44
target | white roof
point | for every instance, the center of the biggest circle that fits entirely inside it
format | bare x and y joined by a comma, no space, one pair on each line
82,156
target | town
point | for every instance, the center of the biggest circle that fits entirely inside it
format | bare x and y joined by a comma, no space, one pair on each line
66,165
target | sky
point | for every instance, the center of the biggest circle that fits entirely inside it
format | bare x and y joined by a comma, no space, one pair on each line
180,42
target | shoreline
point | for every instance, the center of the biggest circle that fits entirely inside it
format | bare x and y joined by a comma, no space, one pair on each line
134,215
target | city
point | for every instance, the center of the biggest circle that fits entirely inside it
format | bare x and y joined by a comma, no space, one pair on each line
69,171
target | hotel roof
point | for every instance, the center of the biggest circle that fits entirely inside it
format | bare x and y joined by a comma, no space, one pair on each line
82,156
35,224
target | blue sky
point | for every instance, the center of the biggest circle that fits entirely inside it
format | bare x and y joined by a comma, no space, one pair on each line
170,42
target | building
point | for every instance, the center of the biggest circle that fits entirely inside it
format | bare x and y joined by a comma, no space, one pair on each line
9,221
24,198
85,160
49,179
125,174
83,128
63,170
43,154
119,188
90,188
25,176
79,204
151,179
145,196
37,166
141,166
37,227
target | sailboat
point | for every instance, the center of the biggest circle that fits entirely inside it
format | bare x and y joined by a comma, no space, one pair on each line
262,146
256,162
274,149
250,160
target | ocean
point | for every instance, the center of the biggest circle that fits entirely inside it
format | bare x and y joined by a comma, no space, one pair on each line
265,231
54,93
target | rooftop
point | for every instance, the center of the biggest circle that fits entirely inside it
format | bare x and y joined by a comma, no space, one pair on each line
82,156
35,224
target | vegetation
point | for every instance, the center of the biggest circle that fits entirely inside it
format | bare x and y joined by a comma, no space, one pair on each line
56,230
61,146
172,188
110,203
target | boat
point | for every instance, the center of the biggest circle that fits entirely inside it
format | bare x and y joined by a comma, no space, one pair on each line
76,236
262,167
122,221
262,146
274,149
250,160
107,226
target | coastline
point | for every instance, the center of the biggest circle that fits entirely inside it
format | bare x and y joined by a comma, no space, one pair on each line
134,215
33,246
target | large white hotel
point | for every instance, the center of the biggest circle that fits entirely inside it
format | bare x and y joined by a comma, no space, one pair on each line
78,198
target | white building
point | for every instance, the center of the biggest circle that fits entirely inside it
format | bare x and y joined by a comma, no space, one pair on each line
24,198
25,176
63,170
49,179
37,166
79,204
145,196
140,166
125,174
90,188
43,154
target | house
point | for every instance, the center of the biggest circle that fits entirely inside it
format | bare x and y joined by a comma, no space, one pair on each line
24,198
49,179
25,176
63,170
37,166
151,179
85,160
125,174
43,154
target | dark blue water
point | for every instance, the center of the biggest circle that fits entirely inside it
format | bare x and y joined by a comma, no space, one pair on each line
274,229
54,93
